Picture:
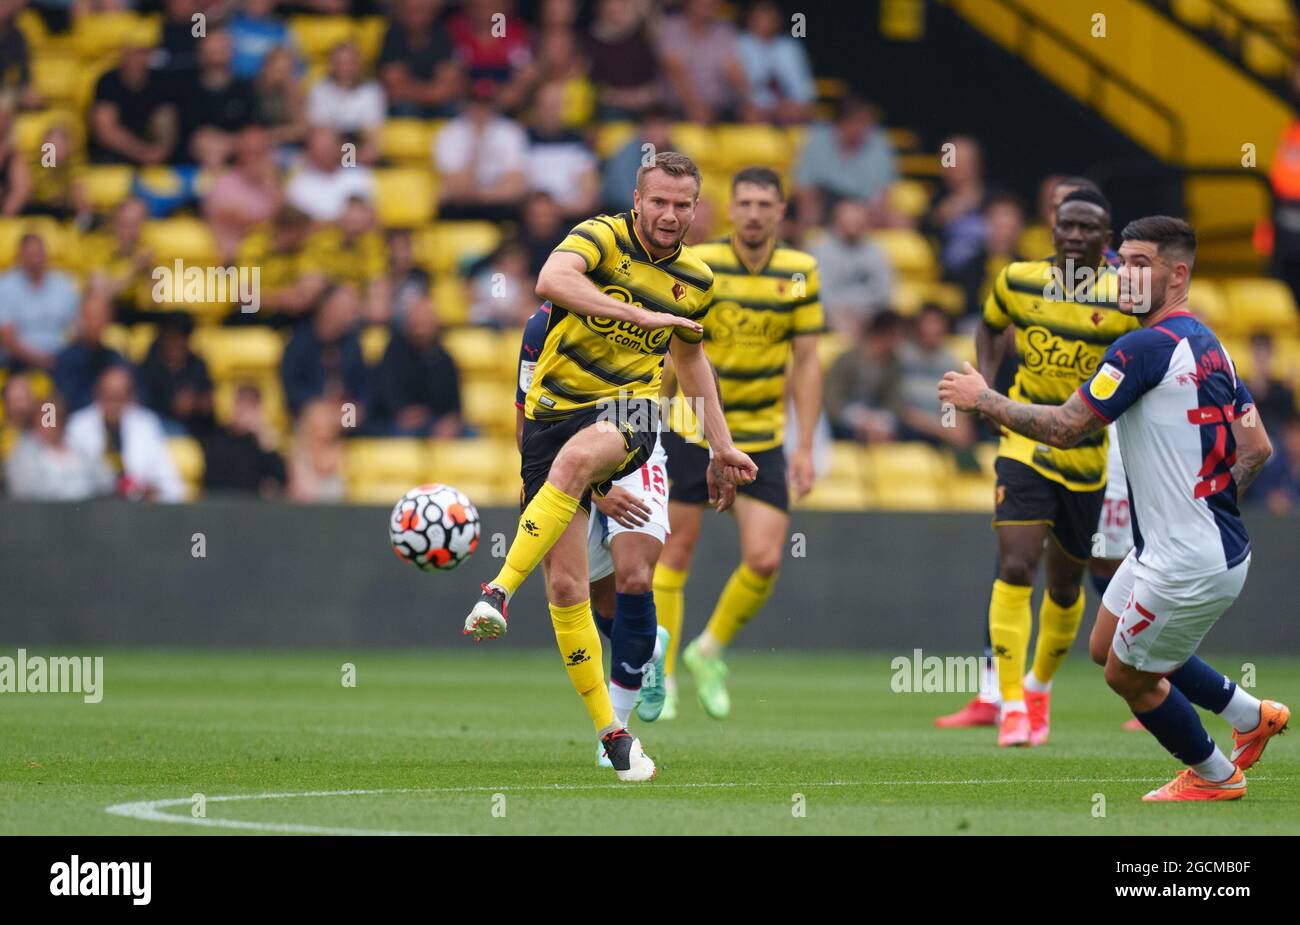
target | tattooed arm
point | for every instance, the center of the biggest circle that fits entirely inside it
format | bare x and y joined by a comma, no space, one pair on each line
1253,448
1056,425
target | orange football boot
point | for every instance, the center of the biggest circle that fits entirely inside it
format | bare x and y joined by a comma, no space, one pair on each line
1133,725
1014,730
1191,787
976,713
1038,703
1248,746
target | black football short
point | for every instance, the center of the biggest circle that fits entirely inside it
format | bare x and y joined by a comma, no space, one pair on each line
637,421
688,477
1026,496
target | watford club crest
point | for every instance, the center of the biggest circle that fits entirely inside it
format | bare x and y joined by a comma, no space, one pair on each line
679,291
1098,318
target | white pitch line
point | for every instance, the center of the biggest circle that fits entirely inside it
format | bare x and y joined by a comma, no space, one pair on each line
151,810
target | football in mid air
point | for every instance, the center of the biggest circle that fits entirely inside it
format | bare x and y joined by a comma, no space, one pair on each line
434,527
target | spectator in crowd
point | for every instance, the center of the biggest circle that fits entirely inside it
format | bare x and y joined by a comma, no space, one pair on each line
322,186
1284,176
174,381
117,258
922,361
856,276
501,293
79,365
1274,399
624,66
16,71
619,178
700,57
57,186
850,158
280,102
482,157
862,383
290,288
404,281
542,229
417,63
44,467
1279,481
1004,225
129,439
323,359
495,46
956,214
781,87
38,307
213,105
177,52
418,391
241,456
255,31
559,161
18,404
132,118
351,105
316,464
352,251
15,178
559,60
244,195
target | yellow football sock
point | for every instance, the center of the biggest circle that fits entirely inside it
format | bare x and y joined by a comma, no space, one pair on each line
541,525
744,595
670,602
1010,620
579,641
1057,627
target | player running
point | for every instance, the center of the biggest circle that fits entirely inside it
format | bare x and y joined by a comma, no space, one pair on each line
1064,314
624,539
765,312
1190,442
590,413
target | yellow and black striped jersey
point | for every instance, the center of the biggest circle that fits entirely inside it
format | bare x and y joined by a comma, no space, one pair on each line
589,359
754,316
1061,334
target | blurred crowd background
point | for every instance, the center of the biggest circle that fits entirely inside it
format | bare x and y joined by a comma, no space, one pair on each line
398,171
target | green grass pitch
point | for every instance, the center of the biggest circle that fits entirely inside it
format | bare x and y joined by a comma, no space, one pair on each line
433,737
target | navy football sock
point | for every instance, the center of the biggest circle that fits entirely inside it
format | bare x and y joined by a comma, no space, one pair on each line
1100,583
1177,727
604,624
1202,685
633,638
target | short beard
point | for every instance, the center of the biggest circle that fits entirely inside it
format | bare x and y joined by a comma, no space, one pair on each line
647,233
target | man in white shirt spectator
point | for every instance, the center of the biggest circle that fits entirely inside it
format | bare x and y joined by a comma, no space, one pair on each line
482,158
43,467
559,161
128,439
781,87
322,186
857,279
699,53
38,307
349,105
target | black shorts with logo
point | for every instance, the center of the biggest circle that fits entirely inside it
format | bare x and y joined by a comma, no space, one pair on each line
637,420
1026,496
688,476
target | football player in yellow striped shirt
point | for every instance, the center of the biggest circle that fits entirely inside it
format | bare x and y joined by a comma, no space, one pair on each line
624,292
765,314
1048,500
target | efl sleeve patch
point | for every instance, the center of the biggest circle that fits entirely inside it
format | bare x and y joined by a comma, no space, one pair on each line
1106,382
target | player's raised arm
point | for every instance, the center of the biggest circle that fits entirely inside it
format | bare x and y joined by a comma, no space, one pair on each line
695,374
1056,425
563,280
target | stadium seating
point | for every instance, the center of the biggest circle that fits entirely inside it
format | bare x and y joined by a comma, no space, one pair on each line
187,456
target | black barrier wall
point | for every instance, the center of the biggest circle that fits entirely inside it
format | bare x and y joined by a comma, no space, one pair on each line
281,575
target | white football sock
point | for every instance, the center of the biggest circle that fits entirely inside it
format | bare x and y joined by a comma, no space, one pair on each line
659,648
1216,768
623,699
1242,711
1032,683
1012,706
989,690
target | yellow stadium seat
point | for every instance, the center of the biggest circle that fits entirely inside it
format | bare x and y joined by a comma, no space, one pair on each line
695,141
374,341
476,350
445,247
60,241
919,165
100,35
1260,305
910,295
961,347
903,139
274,409
1264,57
910,198
132,342
405,197
369,36
490,406
378,492
187,456
612,136
117,337
407,141
969,492
908,251
107,185
986,455
392,459
1206,301
239,353
738,146
907,476
831,494
1199,14
187,239
30,128
450,301
489,461
830,345
317,35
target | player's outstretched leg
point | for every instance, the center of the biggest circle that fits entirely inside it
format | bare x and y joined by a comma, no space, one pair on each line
1253,721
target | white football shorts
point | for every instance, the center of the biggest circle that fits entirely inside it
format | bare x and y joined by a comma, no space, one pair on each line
1162,622
650,485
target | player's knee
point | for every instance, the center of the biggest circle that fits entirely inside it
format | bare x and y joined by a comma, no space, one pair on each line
764,564
565,590
1065,593
638,579
1016,570
1118,678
